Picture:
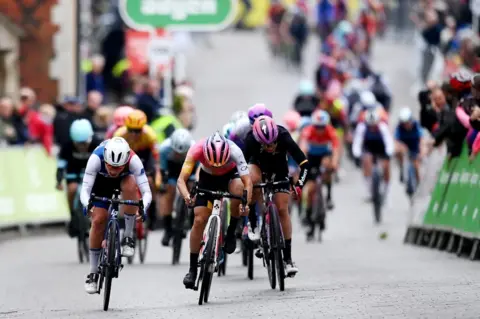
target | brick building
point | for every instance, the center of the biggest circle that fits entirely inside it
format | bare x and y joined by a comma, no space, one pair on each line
27,47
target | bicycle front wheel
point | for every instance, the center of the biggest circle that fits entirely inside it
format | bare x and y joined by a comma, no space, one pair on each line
277,239
179,225
376,197
208,261
110,266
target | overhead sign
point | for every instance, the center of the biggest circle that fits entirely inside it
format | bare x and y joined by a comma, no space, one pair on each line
190,15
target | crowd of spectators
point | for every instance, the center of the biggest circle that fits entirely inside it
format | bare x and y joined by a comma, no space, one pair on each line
27,121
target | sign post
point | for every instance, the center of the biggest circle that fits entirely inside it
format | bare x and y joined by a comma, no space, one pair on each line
174,15
475,7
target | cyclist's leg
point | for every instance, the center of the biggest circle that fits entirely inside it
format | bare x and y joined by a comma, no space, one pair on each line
415,158
72,186
256,177
235,187
166,203
367,168
400,151
327,178
314,162
385,161
281,198
129,190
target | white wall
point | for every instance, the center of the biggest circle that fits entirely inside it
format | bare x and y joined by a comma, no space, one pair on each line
63,67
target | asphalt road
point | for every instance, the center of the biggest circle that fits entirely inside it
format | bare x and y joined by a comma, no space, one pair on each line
352,274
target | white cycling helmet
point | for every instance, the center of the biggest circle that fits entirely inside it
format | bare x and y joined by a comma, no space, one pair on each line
238,115
368,100
405,115
181,140
320,118
372,117
116,152
242,127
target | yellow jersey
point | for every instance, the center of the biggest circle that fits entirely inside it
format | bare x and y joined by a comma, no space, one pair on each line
144,144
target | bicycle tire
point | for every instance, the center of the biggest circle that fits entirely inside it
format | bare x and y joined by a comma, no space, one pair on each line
250,263
277,255
319,208
109,269
266,242
143,243
179,225
207,263
411,182
222,268
376,197
244,254
83,250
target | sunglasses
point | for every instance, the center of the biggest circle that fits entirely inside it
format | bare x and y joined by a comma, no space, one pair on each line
135,131
114,168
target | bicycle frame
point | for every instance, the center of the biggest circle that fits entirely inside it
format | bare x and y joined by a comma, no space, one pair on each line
216,213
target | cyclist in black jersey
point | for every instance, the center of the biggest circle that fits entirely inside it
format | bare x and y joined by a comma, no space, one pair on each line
266,150
72,161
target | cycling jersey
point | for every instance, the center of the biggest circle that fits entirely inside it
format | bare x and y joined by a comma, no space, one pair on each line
96,178
411,138
195,154
338,115
376,140
171,162
73,162
164,126
383,115
320,142
276,162
144,144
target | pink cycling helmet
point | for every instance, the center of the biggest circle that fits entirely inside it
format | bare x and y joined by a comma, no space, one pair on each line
216,150
257,110
292,120
265,130
121,114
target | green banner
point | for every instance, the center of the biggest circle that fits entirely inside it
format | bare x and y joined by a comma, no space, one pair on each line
27,188
455,204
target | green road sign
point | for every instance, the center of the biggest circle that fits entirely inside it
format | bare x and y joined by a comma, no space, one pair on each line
189,15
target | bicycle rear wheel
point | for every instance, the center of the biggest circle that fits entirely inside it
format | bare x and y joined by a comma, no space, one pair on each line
142,240
208,262
376,197
319,210
250,261
82,246
277,239
179,225
110,266
267,252
222,268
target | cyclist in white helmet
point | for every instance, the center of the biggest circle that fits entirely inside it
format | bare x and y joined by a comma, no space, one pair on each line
173,152
111,166
372,138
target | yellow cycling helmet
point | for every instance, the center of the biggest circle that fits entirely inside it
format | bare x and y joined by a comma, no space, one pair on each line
136,120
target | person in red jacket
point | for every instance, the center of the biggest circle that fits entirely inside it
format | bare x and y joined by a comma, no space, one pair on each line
40,126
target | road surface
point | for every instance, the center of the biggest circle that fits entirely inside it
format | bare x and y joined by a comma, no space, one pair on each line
352,274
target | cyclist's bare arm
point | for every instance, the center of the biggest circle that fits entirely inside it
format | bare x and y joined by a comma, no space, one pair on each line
185,173
93,167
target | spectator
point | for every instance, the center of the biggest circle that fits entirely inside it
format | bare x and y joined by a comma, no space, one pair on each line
11,130
94,81
40,126
149,101
101,121
71,111
94,101
428,114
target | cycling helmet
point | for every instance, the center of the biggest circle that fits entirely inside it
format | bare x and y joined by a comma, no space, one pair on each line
227,129
368,100
81,131
372,117
265,130
242,127
116,152
306,88
405,115
461,80
257,110
181,140
121,114
237,115
216,150
320,118
136,120
291,120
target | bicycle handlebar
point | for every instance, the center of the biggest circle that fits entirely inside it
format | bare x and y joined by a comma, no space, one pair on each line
138,203
219,194
277,183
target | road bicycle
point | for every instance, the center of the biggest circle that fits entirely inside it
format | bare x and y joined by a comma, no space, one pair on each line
377,196
111,256
412,182
211,256
82,223
271,234
319,210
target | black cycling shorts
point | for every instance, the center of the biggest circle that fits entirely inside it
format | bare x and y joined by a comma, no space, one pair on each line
214,183
275,173
315,163
376,148
104,187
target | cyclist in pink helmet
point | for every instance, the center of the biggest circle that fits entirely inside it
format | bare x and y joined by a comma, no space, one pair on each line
119,117
267,147
223,168
257,110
